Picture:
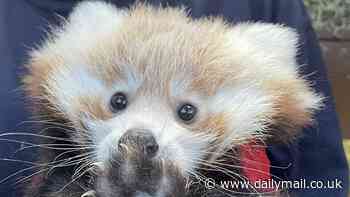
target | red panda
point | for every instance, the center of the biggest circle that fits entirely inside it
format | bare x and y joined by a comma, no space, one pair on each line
152,100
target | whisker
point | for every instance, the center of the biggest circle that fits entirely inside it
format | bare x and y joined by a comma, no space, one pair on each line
72,181
220,189
252,169
30,176
34,135
17,173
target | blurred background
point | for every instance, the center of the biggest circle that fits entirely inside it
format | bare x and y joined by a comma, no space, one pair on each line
331,19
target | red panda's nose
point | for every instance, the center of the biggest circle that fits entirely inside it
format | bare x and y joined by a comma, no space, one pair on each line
140,139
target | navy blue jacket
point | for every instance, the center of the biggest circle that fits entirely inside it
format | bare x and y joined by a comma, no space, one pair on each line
318,155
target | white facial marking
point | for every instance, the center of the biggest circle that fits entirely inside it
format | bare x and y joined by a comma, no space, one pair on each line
247,109
176,143
70,83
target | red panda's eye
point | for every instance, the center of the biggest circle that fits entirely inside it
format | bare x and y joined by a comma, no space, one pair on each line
118,102
187,112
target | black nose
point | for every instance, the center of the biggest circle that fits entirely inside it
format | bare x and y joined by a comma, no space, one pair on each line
142,140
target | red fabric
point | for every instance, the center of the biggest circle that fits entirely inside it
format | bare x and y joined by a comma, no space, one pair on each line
255,163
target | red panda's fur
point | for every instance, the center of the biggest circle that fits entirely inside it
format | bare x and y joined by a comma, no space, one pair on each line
243,77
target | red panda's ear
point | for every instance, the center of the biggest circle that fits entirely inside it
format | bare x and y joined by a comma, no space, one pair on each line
94,16
271,42
270,51
296,104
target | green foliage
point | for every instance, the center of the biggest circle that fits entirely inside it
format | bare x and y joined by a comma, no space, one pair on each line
330,15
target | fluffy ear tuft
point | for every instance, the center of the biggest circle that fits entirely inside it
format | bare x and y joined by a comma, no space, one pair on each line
296,107
93,18
89,24
272,42
94,14
267,34
269,52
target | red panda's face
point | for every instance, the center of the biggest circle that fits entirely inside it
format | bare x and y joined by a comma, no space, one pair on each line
156,84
